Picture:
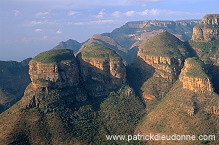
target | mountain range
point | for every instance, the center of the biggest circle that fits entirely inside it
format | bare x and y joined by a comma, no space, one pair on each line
147,77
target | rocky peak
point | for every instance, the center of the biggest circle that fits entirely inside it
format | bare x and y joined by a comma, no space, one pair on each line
211,19
69,44
54,68
207,30
165,53
194,77
103,65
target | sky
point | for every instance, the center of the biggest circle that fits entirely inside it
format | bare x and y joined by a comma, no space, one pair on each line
28,27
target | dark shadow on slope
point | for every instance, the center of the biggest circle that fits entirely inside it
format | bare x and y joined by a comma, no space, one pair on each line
138,73
192,52
213,71
98,82
14,79
131,55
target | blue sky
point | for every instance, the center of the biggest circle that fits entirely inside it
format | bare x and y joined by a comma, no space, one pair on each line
28,27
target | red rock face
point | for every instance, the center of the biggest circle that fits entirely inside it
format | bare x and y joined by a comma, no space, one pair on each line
53,74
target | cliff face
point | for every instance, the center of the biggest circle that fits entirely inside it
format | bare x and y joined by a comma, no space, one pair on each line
207,30
166,67
53,74
194,78
102,64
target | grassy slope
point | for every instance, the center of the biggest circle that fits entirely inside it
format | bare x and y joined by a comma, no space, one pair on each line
164,44
54,56
100,52
196,70
205,50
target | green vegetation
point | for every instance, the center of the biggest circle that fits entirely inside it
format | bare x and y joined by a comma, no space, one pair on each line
206,47
164,44
100,52
54,56
196,69
171,115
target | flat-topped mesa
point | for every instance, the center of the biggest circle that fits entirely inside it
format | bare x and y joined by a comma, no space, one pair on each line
207,30
194,77
165,53
54,68
103,65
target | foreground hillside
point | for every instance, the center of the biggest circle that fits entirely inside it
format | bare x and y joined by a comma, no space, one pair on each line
60,107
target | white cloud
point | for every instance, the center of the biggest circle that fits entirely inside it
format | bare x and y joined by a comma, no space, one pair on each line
130,13
71,13
59,31
17,13
100,14
44,38
147,2
38,30
117,14
42,14
95,22
41,23
150,12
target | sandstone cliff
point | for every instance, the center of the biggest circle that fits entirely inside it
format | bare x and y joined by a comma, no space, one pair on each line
103,65
46,72
194,78
205,42
207,30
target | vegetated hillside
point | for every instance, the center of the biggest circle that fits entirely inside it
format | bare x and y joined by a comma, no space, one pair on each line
98,39
164,45
190,107
57,107
14,79
157,66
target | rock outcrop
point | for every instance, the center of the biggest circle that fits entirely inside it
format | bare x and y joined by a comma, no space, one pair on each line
46,72
207,30
194,78
103,65
164,52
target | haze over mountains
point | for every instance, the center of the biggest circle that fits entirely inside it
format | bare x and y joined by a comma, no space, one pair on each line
126,39
144,77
